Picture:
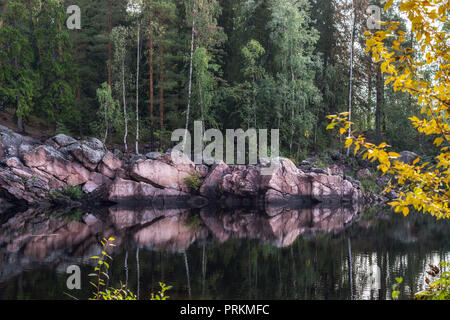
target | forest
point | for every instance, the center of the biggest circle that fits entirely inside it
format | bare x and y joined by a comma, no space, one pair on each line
134,71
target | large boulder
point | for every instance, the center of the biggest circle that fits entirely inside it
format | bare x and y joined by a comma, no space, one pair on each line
211,184
63,141
110,165
89,152
325,188
111,161
21,185
11,142
287,180
55,163
122,190
96,181
407,157
364,174
165,172
335,170
288,183
243,182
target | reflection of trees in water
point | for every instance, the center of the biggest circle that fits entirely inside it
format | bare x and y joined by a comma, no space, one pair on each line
228,255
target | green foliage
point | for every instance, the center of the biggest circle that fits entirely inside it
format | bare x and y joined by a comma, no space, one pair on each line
161,294
102,292
101,274
74,192
395,291
322,161
438,287
268,64
369,186
298,98
69,192
193,182
108,113
18,80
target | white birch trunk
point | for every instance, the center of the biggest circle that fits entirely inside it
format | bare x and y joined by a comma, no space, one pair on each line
350,94
190,80
137,86
124,106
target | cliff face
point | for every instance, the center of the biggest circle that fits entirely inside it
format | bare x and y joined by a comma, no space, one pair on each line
30,170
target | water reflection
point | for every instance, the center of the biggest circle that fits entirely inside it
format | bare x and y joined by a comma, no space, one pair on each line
283,253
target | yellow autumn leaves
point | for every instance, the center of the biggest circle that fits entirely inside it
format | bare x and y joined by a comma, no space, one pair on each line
422,186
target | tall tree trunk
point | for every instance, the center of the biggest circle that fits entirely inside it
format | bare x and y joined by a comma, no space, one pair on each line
350,90
137,85
20,124
190,77
378,113
60,53
150,45
200,91
161,104
109,41
106,125
369,96
254,101
124,107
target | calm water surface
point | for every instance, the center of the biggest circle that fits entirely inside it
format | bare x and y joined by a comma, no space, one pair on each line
313,253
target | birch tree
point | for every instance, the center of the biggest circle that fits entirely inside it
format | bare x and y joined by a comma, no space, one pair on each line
134,9
119,37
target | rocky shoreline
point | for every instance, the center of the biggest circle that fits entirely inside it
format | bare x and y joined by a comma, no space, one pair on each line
32,172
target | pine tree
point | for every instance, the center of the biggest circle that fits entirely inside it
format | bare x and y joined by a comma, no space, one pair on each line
17,78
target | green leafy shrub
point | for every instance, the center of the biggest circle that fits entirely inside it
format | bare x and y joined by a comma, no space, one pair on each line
100,274
438,287
161,294
74,192
69,192
395,291
193,182
369,186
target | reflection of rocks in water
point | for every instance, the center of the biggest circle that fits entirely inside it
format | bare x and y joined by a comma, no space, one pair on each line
288,226
33,237
282,229
124,217
172,233
237,224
